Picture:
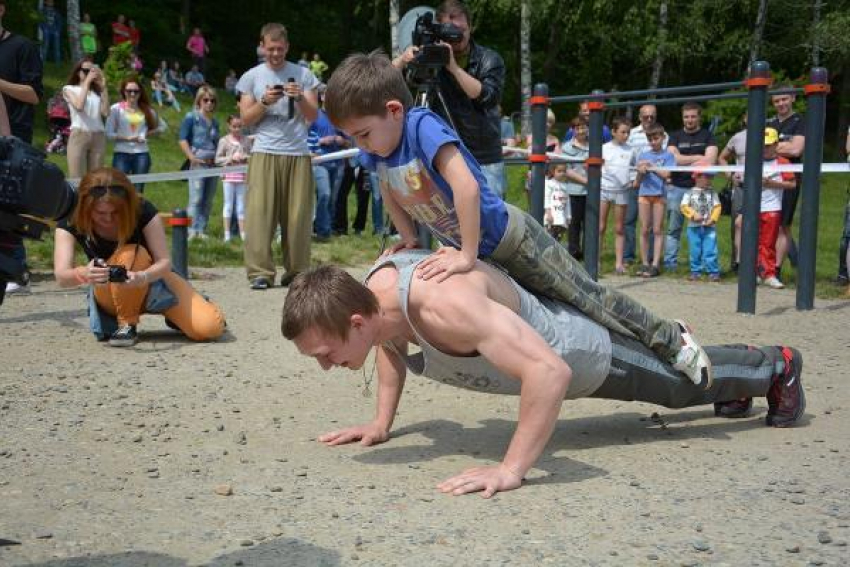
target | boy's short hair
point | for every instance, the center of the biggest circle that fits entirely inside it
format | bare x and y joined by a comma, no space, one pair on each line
325,298
274,31
653,129
620,121
362,85
579,121
692,106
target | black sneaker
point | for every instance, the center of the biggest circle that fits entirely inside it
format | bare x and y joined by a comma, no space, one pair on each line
734,409
260,283
287,278
786,400
124,337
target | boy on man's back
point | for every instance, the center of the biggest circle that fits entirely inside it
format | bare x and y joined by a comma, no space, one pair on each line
428,175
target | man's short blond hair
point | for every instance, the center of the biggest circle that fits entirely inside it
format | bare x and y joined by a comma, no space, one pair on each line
325,298
274,31
362,85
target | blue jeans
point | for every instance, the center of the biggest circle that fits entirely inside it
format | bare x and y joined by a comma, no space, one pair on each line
630,226
50,45
377,204
702,241
496,178
328,177
201,195
132,163
675,221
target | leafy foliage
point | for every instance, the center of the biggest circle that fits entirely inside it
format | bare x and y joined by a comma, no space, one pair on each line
117,66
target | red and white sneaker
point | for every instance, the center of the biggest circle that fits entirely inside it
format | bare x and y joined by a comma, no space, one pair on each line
786,401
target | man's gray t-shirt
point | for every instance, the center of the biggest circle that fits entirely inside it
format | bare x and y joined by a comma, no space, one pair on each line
276,133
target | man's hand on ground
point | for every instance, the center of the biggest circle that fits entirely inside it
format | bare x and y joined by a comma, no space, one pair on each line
443,263
487,480
368,434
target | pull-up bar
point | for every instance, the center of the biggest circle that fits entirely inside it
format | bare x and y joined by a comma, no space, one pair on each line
757,85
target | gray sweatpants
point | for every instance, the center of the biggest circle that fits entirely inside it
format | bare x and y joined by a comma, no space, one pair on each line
740,371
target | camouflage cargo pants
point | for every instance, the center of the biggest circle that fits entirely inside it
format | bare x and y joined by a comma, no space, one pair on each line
543,266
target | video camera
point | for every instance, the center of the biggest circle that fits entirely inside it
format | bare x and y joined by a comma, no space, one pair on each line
31,190
431,56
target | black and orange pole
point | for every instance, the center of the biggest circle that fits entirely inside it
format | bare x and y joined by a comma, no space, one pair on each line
594,186
179,223
539,107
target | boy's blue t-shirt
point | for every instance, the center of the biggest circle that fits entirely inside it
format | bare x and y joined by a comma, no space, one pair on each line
652,185
409,175
322,128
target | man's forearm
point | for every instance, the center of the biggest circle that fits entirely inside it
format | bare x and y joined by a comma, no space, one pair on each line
540,403
252,112
23,93
470,85
391,376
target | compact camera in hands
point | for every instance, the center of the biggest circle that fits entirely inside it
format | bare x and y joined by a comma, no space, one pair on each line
117,273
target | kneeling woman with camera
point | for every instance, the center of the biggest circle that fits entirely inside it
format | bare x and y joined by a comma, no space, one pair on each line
129,269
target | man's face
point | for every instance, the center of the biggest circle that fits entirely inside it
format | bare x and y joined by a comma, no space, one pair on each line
377,134
457,18
332,351
276,50
783,104
691,120
648,115
584,110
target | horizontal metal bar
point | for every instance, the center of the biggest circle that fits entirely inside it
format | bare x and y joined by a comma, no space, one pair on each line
647,92
698,98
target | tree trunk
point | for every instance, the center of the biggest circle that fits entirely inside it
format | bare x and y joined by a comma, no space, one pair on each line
658,64
556,30
185,16
525,64
816,10
394,27
73,17
758,32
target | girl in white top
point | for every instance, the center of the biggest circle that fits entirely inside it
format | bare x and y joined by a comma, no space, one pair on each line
233,149
129,124
616,180
557,204
89,103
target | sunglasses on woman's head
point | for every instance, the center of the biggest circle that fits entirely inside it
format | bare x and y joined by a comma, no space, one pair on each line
100,190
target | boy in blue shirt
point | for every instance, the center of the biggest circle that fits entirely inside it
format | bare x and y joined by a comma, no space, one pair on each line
651,180
428,176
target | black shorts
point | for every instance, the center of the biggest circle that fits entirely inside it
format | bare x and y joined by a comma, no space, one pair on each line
789,204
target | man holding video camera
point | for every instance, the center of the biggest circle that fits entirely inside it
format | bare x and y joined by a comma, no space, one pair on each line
471,84
21,89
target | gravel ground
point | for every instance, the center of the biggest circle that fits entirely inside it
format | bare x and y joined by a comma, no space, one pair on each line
174,453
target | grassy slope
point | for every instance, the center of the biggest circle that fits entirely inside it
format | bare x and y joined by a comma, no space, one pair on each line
350,250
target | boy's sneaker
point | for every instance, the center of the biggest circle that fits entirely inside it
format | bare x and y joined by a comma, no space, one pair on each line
714,278
786,401
774,283
692,360
124,337
734,409
260,283
693,278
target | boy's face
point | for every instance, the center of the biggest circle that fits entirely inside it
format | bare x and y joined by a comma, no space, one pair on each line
703,181
621,134
377,134
769,151
581,133
330,350
656,141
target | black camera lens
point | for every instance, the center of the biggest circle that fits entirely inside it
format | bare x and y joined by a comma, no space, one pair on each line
118,274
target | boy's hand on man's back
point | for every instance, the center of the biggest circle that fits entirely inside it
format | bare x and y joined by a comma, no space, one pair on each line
443,263
399,246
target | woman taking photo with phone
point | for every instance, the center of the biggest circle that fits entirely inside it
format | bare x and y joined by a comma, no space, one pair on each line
87,97
129,269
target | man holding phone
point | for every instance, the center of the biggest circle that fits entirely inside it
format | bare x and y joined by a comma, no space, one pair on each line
279,101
